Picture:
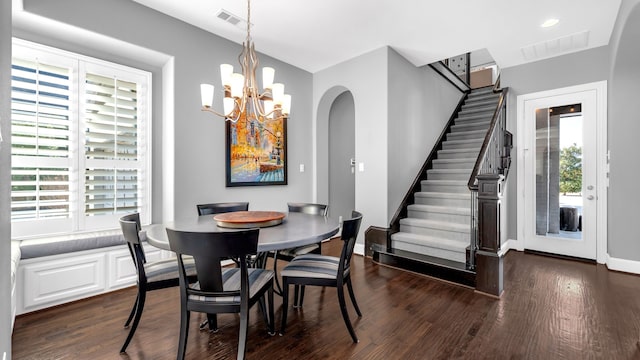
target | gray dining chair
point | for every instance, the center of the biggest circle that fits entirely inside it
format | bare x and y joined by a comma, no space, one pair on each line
291,253
152,275
218,208
324,270
218,289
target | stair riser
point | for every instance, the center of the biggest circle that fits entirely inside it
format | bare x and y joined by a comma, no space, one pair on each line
447,176
474,108
459,155
460,119
475,145
426,250
445,234
465,135
484,99
475,112
483,125
454,165
437,216
456,189
438,201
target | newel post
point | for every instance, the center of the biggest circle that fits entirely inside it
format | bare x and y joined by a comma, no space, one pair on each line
489,273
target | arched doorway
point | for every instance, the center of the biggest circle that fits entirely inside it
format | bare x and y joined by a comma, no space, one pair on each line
342,155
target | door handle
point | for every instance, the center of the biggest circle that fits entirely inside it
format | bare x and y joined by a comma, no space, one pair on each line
590,197
590,187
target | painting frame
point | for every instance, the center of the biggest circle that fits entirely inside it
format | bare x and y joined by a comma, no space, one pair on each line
256,152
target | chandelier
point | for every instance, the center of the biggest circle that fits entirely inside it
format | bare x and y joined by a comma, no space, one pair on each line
242,99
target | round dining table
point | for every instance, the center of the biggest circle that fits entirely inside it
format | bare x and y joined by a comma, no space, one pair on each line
296,229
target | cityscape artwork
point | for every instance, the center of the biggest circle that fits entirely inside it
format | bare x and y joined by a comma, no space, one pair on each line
256,152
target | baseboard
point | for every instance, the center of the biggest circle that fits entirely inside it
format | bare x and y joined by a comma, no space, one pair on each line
359,249
511,244
629,266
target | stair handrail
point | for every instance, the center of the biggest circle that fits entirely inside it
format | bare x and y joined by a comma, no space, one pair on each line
445,71
499,118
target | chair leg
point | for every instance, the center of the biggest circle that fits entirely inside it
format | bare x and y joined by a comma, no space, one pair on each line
263,309
353,297
275,273
142,294
301,298
296,295
285,304
133,311
242,336
212,320
272,321
184,333
345,314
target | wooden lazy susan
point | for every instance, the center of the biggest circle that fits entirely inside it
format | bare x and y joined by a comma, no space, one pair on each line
249,219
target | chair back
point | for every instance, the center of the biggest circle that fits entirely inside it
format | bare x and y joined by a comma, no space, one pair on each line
350,229
308,208
217,208
208,249
130,225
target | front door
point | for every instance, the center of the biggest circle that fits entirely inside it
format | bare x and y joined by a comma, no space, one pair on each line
560,173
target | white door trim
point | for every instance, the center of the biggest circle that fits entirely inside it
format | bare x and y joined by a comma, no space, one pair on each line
601,152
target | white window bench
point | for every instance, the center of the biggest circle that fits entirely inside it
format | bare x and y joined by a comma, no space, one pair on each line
61,269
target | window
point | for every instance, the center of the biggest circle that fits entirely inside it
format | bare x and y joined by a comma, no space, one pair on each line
80,148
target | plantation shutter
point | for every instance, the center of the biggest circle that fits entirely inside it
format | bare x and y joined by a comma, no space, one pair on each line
80,149
112,176
41,140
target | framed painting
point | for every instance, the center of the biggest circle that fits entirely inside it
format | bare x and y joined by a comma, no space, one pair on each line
256,152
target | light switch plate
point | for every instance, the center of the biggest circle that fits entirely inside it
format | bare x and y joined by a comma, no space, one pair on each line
301,167
361,167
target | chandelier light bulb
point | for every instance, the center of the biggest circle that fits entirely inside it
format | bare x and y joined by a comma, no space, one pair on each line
286,104
278,93
229,105
206,93
237,85
225,74
268,73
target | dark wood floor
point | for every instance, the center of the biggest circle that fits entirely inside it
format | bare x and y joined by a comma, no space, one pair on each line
551,309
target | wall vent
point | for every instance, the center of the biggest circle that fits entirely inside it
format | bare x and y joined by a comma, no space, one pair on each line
561,45
232,19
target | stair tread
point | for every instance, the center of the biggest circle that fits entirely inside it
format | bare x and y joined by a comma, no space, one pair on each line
431,241
463,150
441,209
445,171
445,182
467,132
460,160
464,141
441,195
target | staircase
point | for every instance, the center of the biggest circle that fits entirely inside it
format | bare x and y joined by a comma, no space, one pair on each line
438,224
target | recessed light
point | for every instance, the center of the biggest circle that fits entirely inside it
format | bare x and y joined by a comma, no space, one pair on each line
549,23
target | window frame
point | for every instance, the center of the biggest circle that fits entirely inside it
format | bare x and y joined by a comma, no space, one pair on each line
80,65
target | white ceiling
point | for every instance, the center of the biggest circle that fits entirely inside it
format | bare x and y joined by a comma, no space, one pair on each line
315,35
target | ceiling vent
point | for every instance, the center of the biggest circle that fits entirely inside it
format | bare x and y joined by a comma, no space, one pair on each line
234,20
549,48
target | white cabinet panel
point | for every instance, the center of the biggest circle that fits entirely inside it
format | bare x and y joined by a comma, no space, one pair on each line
55,281
122,272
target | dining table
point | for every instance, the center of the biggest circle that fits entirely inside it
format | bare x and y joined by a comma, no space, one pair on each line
296,229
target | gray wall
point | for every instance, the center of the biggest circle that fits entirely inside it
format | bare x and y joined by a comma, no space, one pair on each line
624,127
573,69
5,178
366,78
420,104
199,140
